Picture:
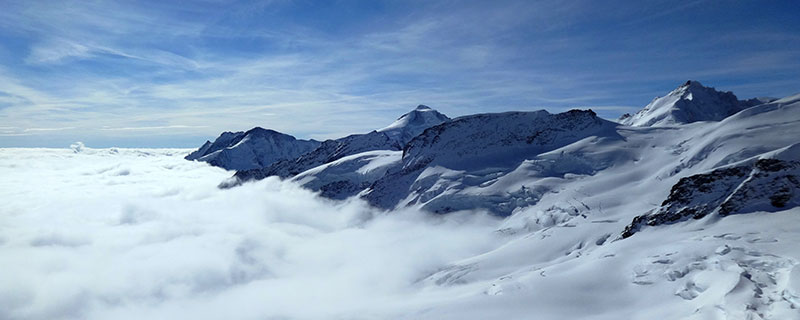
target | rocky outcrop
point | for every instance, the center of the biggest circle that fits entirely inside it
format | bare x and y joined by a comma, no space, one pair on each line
761,185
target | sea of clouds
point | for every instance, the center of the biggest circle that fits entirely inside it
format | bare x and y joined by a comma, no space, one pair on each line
143,234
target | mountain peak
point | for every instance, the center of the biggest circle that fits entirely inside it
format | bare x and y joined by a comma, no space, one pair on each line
260,130
693,83
692,86
690,102
413,123
254,148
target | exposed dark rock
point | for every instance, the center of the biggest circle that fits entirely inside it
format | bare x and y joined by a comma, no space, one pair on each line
763,185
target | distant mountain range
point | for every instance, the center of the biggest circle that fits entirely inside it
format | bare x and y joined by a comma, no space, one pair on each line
505,162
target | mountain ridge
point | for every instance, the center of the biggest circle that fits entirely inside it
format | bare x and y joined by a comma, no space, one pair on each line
690,102
250,149
501,162
390,138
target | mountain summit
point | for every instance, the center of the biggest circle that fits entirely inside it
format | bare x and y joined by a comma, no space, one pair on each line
254,148
691,102
413,123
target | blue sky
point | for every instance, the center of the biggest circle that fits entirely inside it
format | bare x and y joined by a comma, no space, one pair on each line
175,73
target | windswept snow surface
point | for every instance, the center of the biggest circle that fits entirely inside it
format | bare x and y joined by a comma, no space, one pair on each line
507,161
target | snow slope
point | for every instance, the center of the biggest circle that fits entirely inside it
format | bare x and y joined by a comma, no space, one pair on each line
689,103
486,161
763,183
441,165
349,175
255,148
739,261
332,150
743,267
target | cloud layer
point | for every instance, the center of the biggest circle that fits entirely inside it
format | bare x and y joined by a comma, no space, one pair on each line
127,234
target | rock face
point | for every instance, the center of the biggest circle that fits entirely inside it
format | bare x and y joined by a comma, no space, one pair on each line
255,148
413,123
761,185
689,103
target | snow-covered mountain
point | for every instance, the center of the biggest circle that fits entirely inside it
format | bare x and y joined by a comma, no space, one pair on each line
391,138
691,215
329,150
691,102
503,162
349,175
413,123
254,148
457,165
693,221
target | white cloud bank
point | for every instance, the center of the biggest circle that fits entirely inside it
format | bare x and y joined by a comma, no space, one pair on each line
143,234
133,234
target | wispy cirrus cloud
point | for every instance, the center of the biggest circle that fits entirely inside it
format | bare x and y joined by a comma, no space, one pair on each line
177,126
47,129
56,51
323,71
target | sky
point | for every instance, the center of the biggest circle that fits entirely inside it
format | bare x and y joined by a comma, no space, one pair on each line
175,73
